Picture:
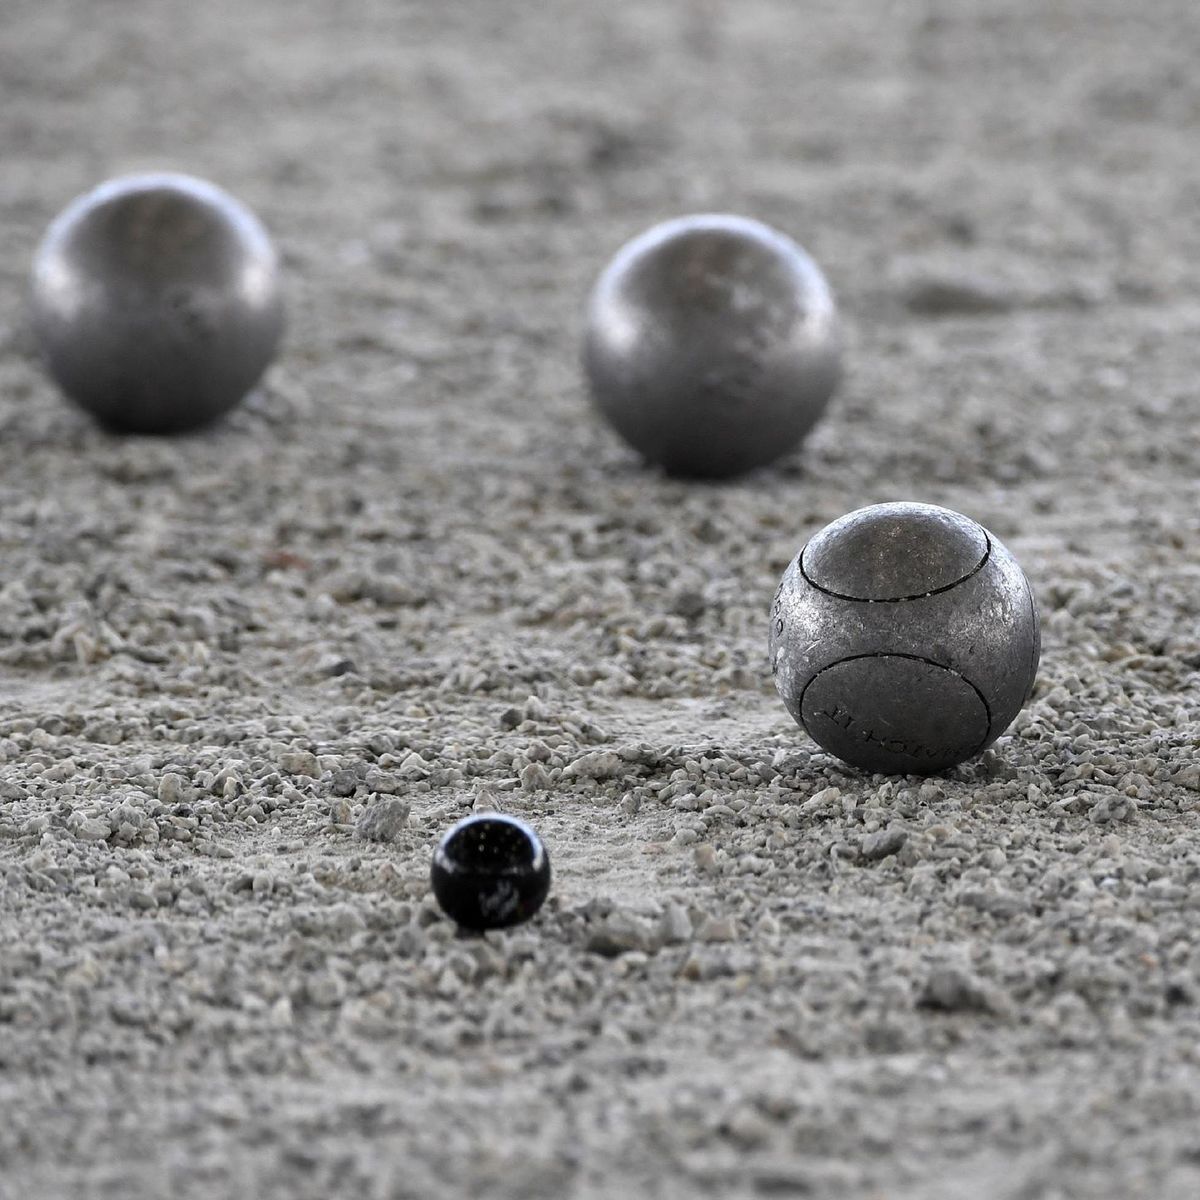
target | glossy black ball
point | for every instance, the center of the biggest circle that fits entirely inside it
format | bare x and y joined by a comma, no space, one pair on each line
490,871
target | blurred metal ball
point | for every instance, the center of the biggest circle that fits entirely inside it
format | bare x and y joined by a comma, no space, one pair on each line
490,871
156,301
904,638
712,344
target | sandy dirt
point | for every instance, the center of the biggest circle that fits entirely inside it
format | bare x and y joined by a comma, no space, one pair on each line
415,570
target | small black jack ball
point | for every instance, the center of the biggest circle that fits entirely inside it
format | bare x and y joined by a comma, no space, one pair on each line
156,302
490,871
904,638
712,344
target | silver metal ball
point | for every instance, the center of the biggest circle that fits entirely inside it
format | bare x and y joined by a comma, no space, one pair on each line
156,302
904,638
712,344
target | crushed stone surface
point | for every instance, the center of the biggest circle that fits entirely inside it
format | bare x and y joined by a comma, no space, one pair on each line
248,678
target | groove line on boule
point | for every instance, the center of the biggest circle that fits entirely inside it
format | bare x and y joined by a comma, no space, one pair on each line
987,708
900,599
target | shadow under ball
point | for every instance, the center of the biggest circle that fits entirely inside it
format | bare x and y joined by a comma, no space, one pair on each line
712,344
904,638
490,871
156,302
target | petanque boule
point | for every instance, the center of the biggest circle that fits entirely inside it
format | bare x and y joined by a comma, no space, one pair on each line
156,302
904,638
712,344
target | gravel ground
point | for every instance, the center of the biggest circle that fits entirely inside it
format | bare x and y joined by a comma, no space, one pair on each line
248,677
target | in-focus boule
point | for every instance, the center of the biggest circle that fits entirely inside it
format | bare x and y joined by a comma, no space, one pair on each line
904,638
490,871
712,344
156,302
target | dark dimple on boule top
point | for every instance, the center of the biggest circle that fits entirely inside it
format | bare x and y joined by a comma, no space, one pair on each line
490,871
156,302
712,344
904,638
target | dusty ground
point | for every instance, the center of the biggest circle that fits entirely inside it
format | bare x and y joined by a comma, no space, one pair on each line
416,566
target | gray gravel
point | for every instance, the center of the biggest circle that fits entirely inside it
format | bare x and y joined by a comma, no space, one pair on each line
247,678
